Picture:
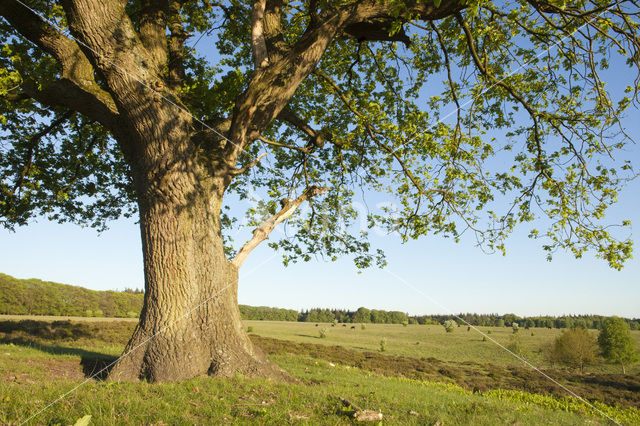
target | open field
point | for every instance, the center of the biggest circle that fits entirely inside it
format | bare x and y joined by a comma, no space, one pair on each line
430,341
418,341
40,361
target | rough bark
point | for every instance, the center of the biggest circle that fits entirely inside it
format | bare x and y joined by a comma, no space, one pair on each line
190,323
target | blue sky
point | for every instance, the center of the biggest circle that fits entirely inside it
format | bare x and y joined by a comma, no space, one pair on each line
432,275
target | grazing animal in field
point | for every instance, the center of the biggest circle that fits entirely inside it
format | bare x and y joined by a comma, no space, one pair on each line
469,328
344,325
353,327
316,325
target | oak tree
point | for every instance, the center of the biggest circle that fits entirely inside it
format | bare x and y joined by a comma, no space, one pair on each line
473,115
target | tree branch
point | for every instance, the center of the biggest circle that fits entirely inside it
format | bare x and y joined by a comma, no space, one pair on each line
248,166
32,144
284,145
176,45
273,85
152,30
77,88
258,43
262,232
317,138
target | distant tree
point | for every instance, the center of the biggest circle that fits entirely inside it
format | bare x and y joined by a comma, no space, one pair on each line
499,322
362,315
574,348
616,343
449,325
323,333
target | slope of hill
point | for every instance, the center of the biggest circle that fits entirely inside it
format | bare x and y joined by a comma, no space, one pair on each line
36,297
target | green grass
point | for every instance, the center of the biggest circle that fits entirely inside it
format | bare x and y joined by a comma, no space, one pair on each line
247,401
36,372
429,341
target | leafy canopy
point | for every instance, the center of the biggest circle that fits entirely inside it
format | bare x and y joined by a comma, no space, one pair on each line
616,343
492,116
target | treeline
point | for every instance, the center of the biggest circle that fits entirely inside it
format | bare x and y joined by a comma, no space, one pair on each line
362,315
507,320
36,297
374,316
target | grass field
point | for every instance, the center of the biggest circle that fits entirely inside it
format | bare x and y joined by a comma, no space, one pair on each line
41,363
430,341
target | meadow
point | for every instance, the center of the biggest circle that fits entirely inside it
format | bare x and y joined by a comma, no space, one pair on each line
431,341
424,376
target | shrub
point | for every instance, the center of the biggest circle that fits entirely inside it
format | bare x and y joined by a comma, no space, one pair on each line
362,326
250,329
574,348
515,327
616,343
323,333
98,313
515,345
383,344
405,323
449,325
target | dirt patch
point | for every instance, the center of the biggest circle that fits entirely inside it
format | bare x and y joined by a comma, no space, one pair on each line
612,389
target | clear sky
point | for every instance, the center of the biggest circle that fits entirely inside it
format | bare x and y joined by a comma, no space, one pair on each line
432,275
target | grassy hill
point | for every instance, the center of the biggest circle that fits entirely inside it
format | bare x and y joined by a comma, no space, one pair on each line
36,297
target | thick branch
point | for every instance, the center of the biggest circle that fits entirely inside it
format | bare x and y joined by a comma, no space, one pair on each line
378,30
176,45
258,43
273,86
152,30
112,44
77,88
262,232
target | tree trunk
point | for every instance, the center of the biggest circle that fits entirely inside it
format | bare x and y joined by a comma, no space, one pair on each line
190,322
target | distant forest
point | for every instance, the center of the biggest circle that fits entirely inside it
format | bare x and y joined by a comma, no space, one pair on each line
36,297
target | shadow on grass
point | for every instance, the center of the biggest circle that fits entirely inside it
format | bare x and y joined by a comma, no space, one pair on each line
307,335
94,364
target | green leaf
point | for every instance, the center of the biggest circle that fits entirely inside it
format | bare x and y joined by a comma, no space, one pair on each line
84,421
